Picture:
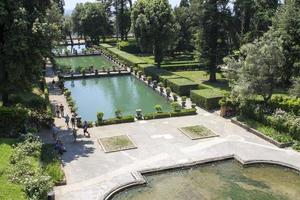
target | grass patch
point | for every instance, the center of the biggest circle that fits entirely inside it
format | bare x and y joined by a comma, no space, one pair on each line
51,163
116,143
267,130
201,77
8,191
197,132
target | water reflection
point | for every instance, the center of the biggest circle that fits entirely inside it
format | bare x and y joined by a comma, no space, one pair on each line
107,94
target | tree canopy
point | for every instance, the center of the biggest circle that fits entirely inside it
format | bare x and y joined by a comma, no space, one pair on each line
27,32
154,26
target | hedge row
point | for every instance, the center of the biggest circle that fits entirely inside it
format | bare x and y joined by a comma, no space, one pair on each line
12,121
288,104
206,98
110,121
105,46
128,58
183,112
182,66
159,74
182,86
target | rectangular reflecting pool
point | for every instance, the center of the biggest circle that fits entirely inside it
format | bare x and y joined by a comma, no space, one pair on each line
108,94
221,180
84,61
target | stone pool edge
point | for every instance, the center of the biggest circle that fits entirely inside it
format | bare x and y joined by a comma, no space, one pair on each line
140,179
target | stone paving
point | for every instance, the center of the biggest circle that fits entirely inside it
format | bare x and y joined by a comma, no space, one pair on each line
92,174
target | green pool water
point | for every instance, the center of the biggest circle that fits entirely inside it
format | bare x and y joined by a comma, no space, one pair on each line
107,94
226,180
84,61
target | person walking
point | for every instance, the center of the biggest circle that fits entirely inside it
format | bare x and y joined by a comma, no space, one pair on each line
85,128
74,132
61,108
67,120
57,111
73,119
54,131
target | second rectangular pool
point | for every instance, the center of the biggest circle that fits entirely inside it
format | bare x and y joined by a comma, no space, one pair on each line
109,94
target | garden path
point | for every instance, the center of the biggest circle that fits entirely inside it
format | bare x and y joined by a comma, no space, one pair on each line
92,174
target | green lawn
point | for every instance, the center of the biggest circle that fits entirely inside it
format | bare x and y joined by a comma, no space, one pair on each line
84,61
8,191
201,77
51,163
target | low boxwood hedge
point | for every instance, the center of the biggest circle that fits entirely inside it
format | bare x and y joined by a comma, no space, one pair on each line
105,46
184,112
182,86
127,58
183,66
156,115
124,119
206,98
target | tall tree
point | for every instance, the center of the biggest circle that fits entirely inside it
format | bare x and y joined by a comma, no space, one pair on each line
27,30
213,22
287,25
68,27
257,70
92,21
185,33
154,26
253,18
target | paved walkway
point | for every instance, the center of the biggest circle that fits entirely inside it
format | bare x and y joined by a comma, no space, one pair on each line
91,173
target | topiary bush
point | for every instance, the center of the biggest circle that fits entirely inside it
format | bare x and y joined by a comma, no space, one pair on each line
100,117
176,107
206,98
158,108
182,86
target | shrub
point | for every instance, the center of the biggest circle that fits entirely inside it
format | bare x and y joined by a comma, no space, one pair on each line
67,93
110,121
168,91
176,107
183,98
184,112
100,117
158,108
12,121
156,115
288,104
118,114
182,86
128,46
206,98
127,58
175,96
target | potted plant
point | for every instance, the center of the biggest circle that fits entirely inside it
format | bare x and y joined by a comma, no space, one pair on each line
149,79
140,73
100,117
108,71
161,87
193,105
176,107
168,91
158,108
154,84
96,72
118,114
175,97
135,70
83,72
183,101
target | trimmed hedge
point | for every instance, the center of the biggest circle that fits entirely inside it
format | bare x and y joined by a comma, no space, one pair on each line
182,86
288,104
184,112
183,66
156,116
206,98
110,121
105,46
128,58
12,121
